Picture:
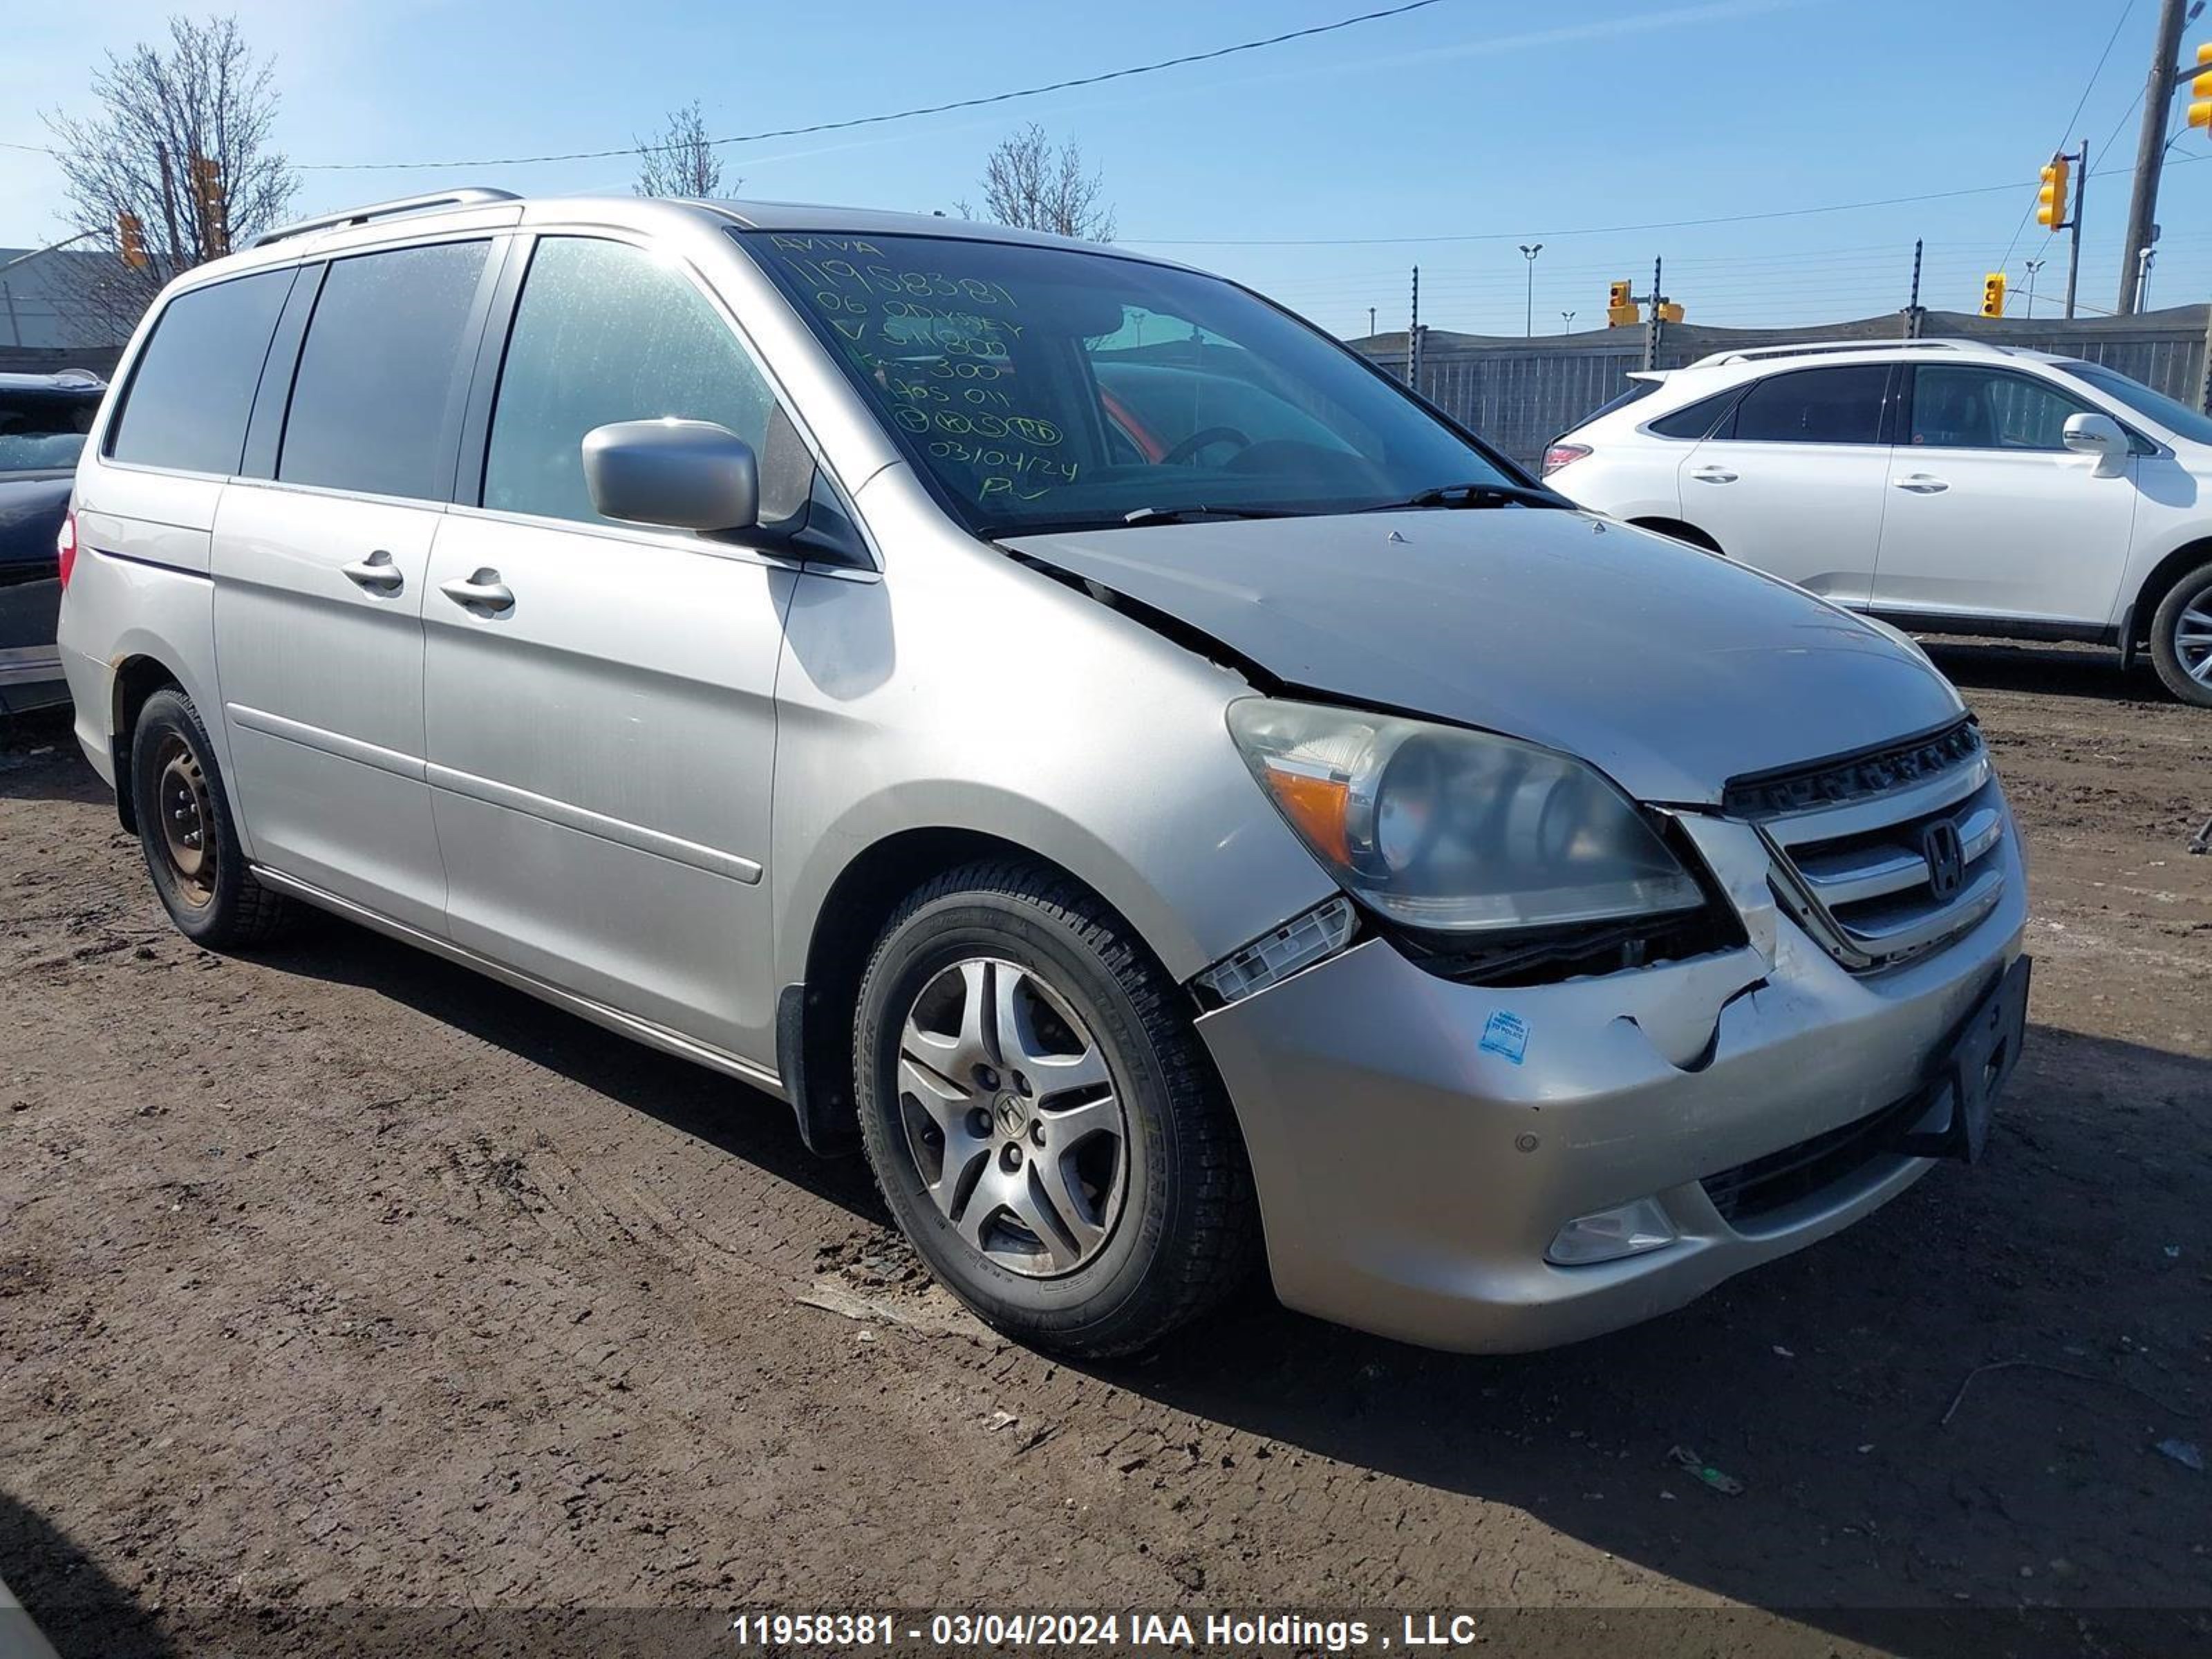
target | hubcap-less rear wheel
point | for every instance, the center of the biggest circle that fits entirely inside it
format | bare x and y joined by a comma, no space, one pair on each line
1011,1117
186,820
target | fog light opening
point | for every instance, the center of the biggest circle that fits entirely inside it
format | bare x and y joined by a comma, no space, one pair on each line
1625,1230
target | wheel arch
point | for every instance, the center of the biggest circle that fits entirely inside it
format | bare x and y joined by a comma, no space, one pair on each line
2135,627
1681,529
138,677
814,1014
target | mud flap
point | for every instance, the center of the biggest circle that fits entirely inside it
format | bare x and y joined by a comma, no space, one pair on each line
1972,1073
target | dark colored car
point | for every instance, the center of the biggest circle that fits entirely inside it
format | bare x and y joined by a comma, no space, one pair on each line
43,421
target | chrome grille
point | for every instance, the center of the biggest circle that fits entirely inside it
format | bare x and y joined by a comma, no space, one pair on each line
1880,874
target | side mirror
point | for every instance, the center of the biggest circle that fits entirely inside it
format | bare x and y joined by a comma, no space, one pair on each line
688,475
2099,435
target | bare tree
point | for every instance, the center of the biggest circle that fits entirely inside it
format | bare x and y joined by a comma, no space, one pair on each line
1026,182
176,168
681,161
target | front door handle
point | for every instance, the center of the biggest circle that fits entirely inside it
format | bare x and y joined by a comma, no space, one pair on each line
376,573
1922,483
482,593
1714,475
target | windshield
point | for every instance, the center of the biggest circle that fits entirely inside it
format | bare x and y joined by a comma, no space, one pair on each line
2176,418
1047,388
43,433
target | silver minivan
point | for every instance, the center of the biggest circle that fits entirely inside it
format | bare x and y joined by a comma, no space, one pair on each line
1067,727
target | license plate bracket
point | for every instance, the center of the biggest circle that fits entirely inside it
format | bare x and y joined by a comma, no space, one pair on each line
1973,1072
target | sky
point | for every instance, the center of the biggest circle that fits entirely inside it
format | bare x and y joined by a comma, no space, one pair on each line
1320,171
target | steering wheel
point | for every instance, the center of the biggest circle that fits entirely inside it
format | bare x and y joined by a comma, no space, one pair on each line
1186,451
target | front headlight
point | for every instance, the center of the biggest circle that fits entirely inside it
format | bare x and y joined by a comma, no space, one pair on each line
1457,831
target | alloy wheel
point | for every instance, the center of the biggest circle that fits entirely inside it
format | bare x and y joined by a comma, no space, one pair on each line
1013,1117
2192,638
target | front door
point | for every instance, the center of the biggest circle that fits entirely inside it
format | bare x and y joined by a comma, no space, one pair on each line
1791,482
601,697
1991,515
320,576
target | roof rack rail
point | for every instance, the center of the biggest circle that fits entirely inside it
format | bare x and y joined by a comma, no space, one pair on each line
362,215
1827,349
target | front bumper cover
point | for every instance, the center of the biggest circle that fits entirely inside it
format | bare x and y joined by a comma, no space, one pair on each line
1417,1143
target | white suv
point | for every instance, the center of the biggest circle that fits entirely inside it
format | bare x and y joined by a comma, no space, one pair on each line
1943,485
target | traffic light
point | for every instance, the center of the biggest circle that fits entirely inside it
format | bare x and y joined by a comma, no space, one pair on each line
1620,310
2200,89
131,240
1669,312
1993,285
2051,200
207,190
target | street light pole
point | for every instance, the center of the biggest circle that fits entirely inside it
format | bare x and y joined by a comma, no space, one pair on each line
2033,265
1566,322
1529,251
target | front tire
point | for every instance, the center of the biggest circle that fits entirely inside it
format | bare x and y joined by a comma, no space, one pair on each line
2181,638
185,828
1041,1118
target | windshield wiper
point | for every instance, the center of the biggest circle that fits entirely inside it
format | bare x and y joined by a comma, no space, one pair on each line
1187,514
1479,494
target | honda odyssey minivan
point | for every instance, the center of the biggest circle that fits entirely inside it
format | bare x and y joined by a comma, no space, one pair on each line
1066,728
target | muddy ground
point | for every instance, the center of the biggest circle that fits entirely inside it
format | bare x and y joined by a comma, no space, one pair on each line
338,1276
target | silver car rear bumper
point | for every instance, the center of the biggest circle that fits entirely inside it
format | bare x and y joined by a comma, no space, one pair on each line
1411,1177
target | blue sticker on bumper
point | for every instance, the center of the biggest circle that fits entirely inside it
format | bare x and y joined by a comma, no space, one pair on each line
1507,1035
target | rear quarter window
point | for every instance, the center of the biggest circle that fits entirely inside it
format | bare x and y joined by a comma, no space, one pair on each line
1699,419
193,387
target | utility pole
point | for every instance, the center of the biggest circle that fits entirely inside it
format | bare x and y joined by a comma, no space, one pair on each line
2033,265
1912,312
2150,149
1371,322
2080,195
1651,323
1529,253
1413,336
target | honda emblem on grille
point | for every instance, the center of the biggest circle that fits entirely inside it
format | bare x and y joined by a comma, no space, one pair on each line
1947,858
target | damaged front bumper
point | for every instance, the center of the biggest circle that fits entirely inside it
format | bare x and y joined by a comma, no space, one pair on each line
1418,1144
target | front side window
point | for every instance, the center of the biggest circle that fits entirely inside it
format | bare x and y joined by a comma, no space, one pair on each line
376,404
44,431
193,387
1057,388
2175,416
1841,405
1961,408
605,332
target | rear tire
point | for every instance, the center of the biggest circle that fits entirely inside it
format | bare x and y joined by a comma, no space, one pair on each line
184,827
1041,1118
2181,638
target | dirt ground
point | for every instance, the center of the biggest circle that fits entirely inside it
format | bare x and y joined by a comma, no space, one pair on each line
338,1276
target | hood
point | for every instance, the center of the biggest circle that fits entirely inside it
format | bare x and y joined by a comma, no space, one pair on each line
1669,668
32,507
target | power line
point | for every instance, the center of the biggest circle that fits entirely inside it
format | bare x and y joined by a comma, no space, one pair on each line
1598,230
894,115
2125,12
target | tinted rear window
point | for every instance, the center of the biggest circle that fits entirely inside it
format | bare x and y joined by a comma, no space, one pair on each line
1814,406
1695,420
193,386
43,431
377,402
